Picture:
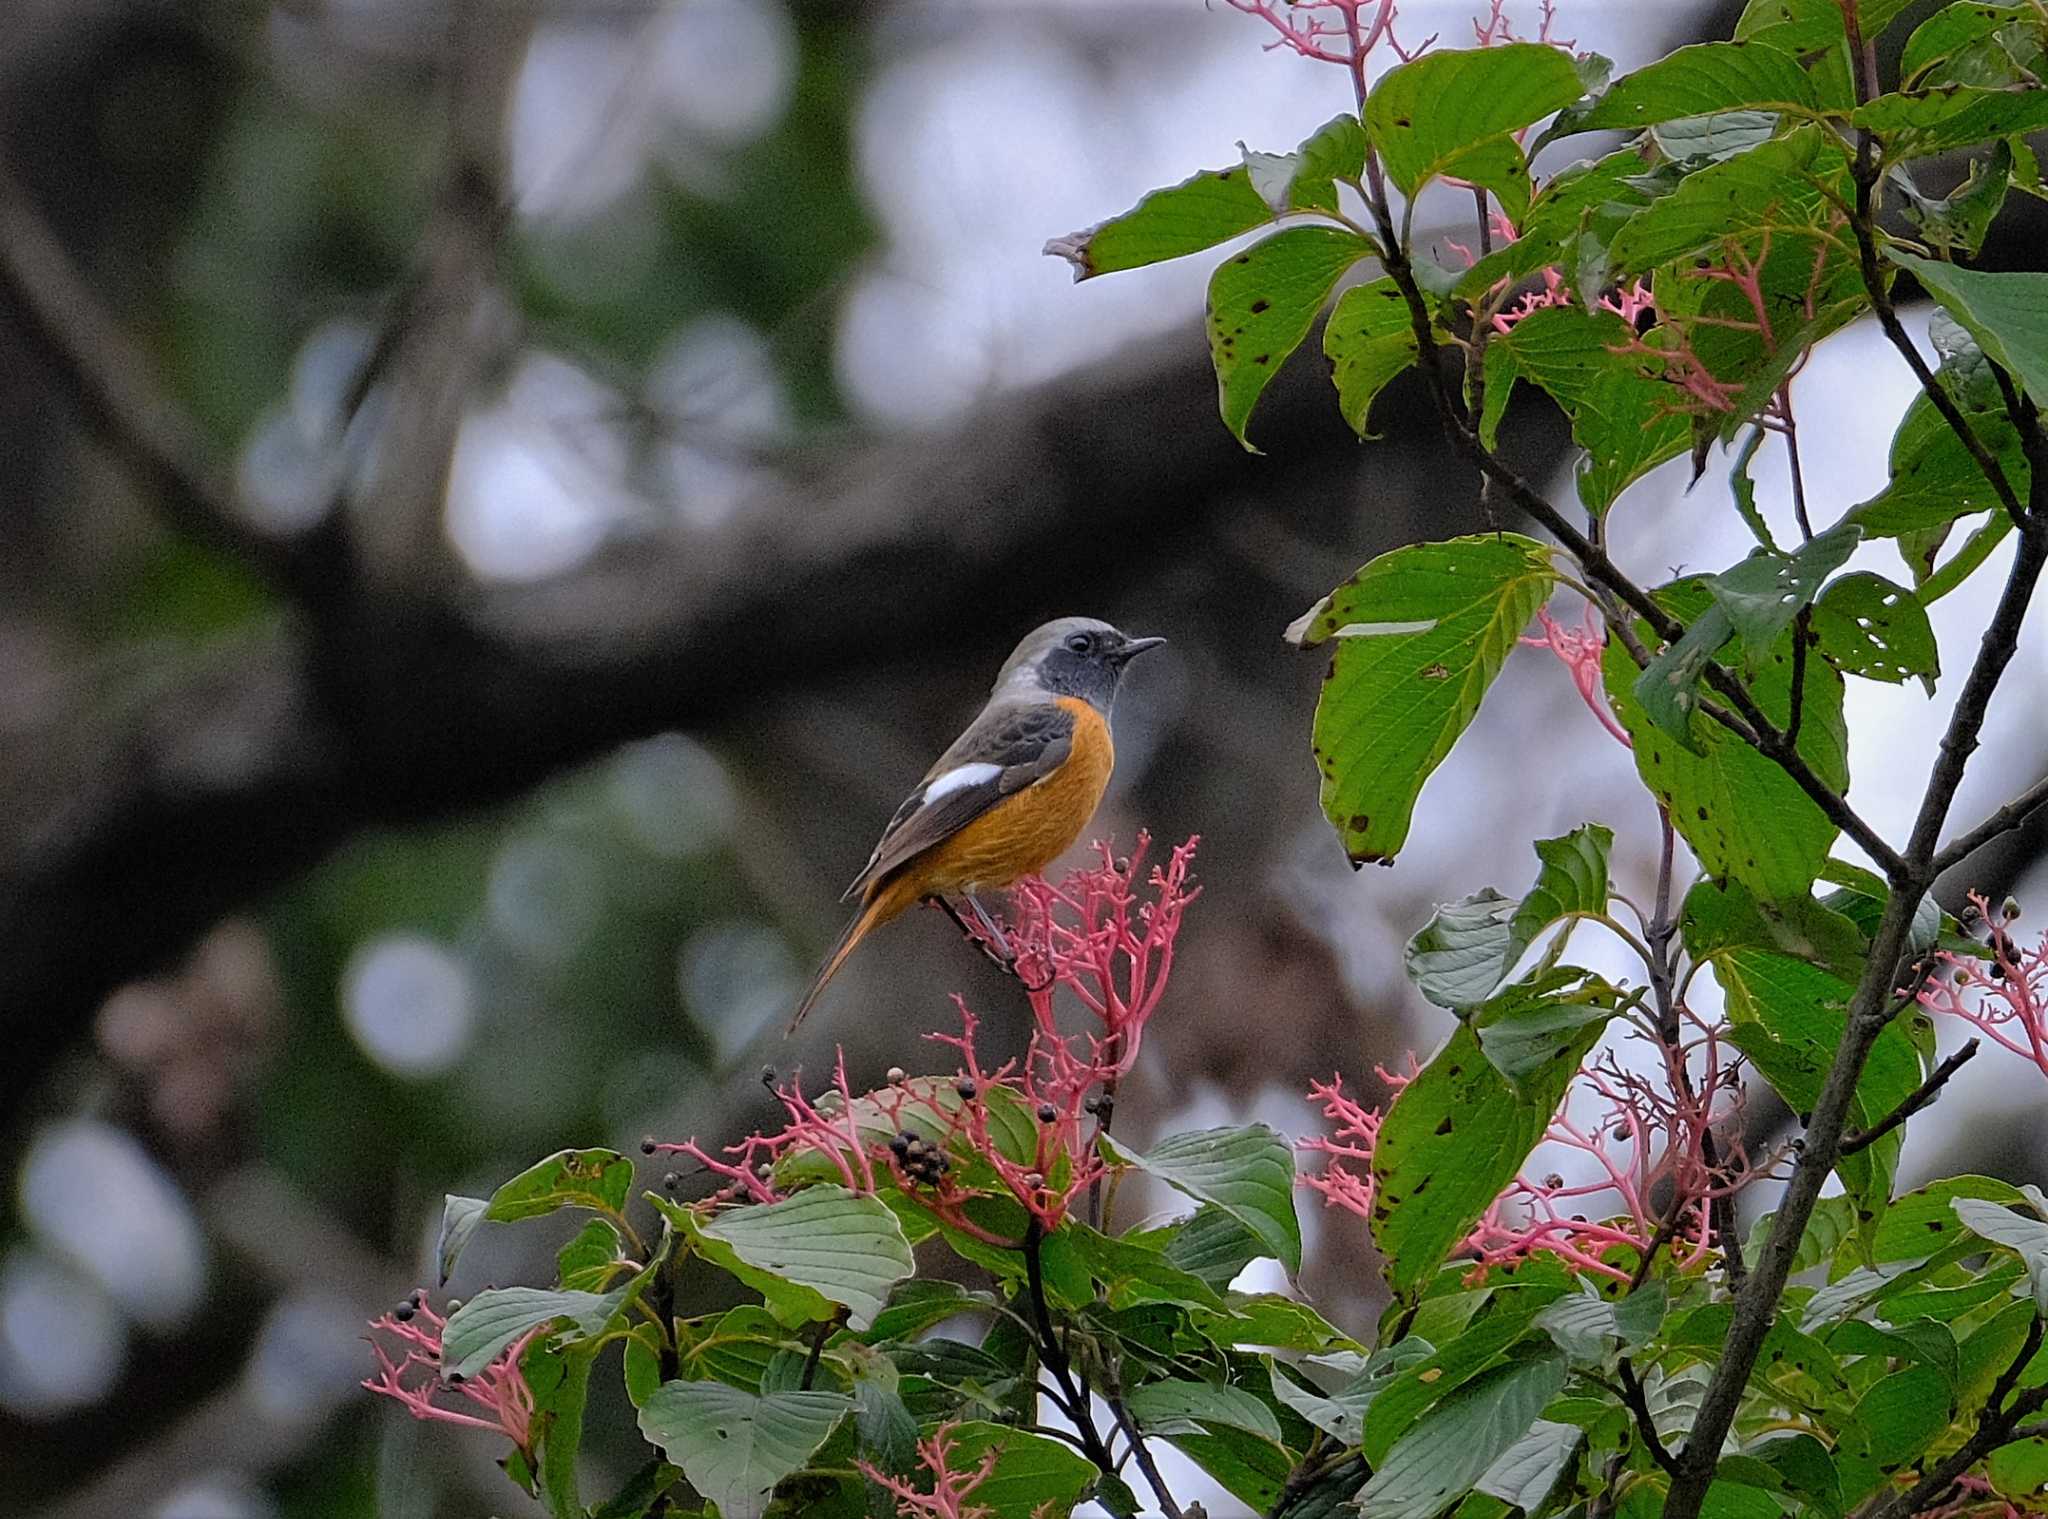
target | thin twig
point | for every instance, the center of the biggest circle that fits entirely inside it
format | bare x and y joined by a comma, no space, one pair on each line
1922,1095
818,1338
2003,821
1146,1464
1639,1405
1054,1355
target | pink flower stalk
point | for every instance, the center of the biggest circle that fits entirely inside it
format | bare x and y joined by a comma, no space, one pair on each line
1581,650
1495,27
1628,302
1975,1499
499,1392
2006,1002
1648,1149
1092,935
1312,28
950,1489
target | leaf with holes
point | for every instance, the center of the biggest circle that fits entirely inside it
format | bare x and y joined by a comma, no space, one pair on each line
733,1446
1210,208
1867,626
1419,635
1921,123
1454,1137
1765,592
1425,115
1262,303
1247,1172
1804,26
598,1179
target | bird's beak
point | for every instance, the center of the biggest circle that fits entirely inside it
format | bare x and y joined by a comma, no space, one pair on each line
1133,647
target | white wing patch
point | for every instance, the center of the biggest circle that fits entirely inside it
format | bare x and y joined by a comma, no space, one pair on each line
960,778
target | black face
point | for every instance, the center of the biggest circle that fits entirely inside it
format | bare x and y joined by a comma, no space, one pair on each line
1088,662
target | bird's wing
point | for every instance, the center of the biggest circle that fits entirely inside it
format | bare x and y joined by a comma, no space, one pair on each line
1006,749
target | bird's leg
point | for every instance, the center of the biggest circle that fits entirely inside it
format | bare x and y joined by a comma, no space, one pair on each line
994,930
1010,962
999,951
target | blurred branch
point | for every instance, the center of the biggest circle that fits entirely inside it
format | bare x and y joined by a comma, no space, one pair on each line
114,382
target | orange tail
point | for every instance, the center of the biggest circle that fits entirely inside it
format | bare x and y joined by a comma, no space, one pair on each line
879,909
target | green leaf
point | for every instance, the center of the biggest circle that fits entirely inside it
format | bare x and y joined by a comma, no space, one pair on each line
2006,313
1800,26
1198,213
1213,1246
1030,1472
1590,1328
1949,31
459,1218
599,1179
1967,560
1454,1444
1528,1470
1955,116
2016,1231
1368,340
1743,816
917,1304
1933,478
591,1259
2019,1471
1696,141
1262,303
1454,1137
1719,917
1789,1019
478,1332
734,1447
736,1347
1158,1405
1776,185
637,1497
1426,114
1250,1468
1583,201
1959,222
1922,1222
1622,417
1459,957
1419,635
1700,80
1247,1172
1764,593
560,1419
848,1249
1132,1272
1305,180
1534,1025
1342,1413
887,1433
481,1328
1865,625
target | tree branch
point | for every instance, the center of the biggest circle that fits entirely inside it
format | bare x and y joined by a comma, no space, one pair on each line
1998,1425
2003,821
1921,1096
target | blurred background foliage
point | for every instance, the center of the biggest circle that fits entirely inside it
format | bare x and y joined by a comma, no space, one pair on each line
501,500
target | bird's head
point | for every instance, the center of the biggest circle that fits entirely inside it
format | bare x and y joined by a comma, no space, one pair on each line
1072,656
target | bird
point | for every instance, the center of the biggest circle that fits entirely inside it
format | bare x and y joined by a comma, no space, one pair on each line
1010,795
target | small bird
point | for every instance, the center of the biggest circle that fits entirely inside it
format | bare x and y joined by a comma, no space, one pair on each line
1011,794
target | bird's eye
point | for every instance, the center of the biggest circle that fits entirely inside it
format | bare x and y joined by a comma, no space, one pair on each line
1079,643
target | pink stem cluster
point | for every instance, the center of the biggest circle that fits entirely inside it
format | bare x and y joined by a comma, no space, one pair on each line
501,1400
1091,934
1495,28
2005,1000
1647,1147
1311,27
1975,1499
1581,650
950,1489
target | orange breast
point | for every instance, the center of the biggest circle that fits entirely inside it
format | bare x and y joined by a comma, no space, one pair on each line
1023,834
